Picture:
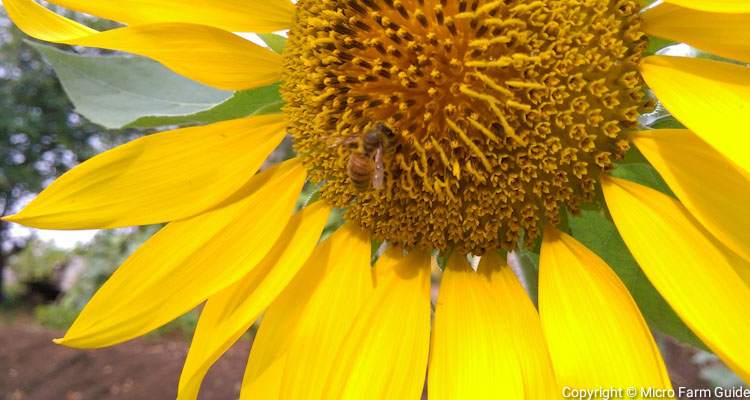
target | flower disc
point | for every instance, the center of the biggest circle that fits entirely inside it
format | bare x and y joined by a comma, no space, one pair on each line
499,114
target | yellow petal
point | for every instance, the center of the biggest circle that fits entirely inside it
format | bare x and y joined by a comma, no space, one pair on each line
384,354
228,314
707,184
487,340
157,178
188,261
230,15
740,264
596,334
722,6
206,54
690,272
325,324
711,98
723,34
319,303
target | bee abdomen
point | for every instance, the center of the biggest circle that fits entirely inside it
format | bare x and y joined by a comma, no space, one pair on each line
360,171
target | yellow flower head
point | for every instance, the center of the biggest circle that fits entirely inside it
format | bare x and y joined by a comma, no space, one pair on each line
463,126
501,113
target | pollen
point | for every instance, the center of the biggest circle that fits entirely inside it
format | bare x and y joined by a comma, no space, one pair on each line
500,114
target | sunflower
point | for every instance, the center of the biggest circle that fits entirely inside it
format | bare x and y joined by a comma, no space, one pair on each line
447,127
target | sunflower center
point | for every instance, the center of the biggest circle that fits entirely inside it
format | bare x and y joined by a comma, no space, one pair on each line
462,123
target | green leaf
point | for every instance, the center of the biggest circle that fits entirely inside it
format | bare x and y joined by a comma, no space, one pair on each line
441,258
274,41
655,44
258,101
528,260
635,167
600,235
668,122
644,174
114,91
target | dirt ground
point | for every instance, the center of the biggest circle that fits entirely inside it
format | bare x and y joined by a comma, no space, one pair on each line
33,368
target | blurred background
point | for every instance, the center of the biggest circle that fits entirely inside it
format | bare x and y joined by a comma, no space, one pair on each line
46,277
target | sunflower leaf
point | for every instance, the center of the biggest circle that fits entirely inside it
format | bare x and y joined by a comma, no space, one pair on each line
258,101
668,122
635,167
600,235
114,91
655,44
643,173
274,41
528,262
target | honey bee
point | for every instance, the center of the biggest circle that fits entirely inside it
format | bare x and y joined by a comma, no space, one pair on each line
365,167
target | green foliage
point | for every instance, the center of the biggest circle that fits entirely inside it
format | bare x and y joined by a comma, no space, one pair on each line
40,135
635,167
667,122
274,41
104,91
258,101
528,260
598,233
59,315
115,91
644,174
656,43
94,262
38,260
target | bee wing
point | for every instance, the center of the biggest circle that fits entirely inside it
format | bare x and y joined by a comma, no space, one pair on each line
379,175
333,142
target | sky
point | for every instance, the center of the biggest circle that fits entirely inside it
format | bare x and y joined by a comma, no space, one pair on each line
62,239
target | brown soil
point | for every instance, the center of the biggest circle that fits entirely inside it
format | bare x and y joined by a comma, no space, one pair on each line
33,368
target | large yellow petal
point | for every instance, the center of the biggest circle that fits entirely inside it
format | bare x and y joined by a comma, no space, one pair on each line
741,265
691,273
711,98
723,34
206,54
157,178
230,15
384,354
721,6
319,303
188,261
487,340
228,314
325,324
596,334
707,184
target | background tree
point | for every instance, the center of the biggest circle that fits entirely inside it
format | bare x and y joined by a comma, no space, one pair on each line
40,135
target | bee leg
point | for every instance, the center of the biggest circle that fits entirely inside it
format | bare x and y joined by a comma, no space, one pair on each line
379,175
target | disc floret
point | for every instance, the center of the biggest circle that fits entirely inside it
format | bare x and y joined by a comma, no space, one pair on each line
503,112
